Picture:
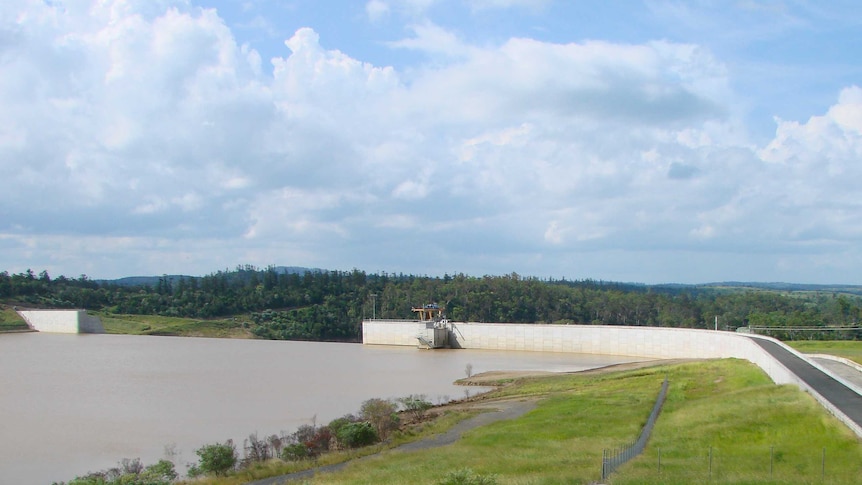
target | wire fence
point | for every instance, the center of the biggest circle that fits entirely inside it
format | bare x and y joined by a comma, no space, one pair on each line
613,459
747,464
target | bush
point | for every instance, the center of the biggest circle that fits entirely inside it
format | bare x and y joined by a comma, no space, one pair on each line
381,414
294,452
466,476
130,472
354,435
415,405
217,459
336,424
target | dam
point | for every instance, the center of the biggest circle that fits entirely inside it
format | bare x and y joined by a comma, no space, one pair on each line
779,361
61,321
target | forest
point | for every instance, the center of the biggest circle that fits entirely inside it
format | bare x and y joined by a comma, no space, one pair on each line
327,305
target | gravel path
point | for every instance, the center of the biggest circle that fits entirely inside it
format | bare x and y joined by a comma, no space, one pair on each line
501,410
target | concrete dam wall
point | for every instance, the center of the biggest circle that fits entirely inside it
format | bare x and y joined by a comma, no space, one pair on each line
647,342
62,321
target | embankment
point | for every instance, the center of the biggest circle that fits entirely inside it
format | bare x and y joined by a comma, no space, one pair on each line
647,342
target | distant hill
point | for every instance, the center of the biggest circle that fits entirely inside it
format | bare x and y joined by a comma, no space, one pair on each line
788,287
154,280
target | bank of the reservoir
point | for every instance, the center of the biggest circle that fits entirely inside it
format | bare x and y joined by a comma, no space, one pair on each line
647,342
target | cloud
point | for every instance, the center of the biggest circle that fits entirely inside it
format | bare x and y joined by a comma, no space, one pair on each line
142,129
376,9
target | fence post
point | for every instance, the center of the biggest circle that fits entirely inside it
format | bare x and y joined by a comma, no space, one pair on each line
611,459
604,463
710,463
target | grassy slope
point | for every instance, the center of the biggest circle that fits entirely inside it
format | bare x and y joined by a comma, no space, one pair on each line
186,327
729,406
849,349
9,320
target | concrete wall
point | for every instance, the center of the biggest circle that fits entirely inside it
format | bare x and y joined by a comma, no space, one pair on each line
647,342
62,321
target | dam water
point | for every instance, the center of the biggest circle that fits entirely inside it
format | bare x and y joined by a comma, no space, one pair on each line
71,404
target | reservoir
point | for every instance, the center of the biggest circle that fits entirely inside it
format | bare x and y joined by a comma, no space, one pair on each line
71,404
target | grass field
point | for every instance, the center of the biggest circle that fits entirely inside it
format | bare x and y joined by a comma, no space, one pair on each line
755,432
231,327
849,349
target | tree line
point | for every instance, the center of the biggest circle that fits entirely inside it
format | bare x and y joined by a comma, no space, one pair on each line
330,305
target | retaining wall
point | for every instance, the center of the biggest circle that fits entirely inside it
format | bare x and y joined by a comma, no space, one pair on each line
62,321
647,342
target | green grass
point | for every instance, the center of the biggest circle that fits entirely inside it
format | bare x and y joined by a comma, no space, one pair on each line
9,320
186,327
849,349
728,406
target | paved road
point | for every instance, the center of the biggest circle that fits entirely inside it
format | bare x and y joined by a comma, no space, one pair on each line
503,410
844,398
850,374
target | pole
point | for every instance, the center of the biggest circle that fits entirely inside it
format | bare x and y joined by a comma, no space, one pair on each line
710,463
373,306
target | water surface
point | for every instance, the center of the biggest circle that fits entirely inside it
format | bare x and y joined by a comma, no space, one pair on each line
70,404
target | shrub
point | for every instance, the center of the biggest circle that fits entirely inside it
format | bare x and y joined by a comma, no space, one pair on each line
354,435
415,405
381,414
161,472
294,452
217,459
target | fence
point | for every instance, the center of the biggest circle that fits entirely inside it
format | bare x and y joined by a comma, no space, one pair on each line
748,464
613,459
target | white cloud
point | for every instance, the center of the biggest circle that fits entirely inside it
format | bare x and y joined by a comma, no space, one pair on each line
376,9
144,127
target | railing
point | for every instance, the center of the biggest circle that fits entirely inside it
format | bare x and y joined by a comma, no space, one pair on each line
613,459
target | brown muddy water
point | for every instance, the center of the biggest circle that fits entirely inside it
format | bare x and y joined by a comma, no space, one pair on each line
70,404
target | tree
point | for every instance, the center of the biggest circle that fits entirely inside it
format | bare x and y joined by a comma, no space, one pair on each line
217,459
381,413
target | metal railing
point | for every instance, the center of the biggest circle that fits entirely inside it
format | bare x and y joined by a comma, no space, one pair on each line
613,459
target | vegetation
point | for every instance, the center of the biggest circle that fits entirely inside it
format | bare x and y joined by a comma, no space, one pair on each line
727,407
232,327
9,320
723,421
216,459
130,472
329,305
841,348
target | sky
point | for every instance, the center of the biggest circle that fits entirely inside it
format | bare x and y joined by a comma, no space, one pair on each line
656,141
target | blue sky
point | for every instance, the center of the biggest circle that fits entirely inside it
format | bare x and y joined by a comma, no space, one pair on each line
655,141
